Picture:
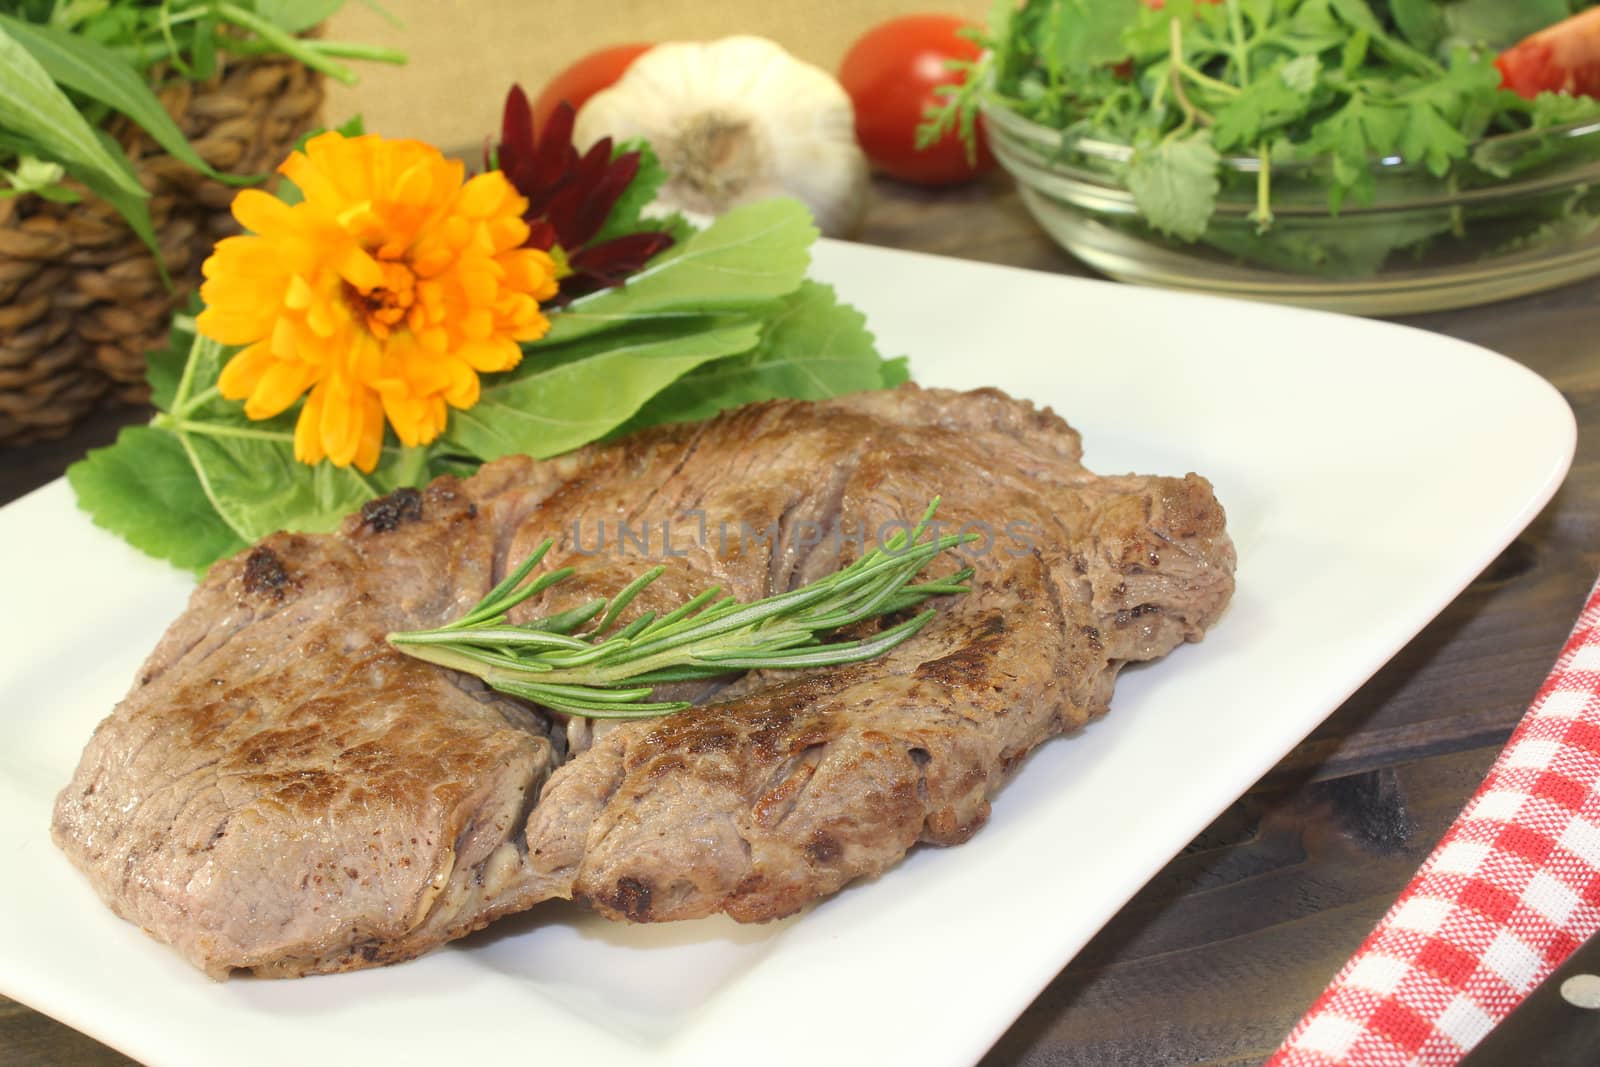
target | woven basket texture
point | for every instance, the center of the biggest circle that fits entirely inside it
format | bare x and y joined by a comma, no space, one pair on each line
81,300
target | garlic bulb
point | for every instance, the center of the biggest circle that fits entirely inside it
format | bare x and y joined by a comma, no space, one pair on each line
737,120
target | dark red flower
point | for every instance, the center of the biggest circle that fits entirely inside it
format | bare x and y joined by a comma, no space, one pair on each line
570,196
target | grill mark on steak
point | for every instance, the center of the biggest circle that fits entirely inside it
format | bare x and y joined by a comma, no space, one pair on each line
386,513
632,899
823,514
272,746
783,789
264,574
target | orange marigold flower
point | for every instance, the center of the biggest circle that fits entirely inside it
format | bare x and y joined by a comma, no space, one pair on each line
385,293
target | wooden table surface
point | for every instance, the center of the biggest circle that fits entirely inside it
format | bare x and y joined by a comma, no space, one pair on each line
1220,954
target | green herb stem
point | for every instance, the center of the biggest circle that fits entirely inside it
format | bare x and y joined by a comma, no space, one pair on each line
601,674
1241,48
1199,77
201,347
171,51
180,425
286,43
1177,70
1263,211
331,49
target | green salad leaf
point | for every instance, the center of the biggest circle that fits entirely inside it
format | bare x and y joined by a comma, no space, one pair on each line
1174,182
1310,100
584,395
1088,33
751,255
813,348
145,490
1438,27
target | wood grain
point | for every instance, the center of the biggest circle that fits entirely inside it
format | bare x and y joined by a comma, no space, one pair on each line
1220,954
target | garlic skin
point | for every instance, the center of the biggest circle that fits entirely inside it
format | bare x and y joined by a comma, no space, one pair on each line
734,121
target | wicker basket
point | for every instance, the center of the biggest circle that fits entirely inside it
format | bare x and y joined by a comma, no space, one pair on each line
81,301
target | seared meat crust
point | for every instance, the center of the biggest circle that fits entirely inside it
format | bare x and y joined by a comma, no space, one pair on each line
282,792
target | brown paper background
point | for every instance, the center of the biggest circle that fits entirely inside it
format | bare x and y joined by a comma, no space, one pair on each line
465,54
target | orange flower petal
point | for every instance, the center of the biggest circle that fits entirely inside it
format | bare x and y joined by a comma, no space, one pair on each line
490,356
360,269
283,339
406,416
340,426
327,314
298,295
262,213
463,390
532,331
371,446
506,233
435,341
482,196
230,327
307,429
280,386
414,188
477,324
244,371
308,177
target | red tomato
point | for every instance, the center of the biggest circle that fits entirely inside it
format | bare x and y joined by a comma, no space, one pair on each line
595,71
1564,58
890,75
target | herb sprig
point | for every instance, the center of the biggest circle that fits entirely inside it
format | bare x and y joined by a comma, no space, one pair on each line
1333,85
603,675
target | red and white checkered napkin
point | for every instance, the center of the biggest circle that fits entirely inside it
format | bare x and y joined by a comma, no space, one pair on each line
1512,890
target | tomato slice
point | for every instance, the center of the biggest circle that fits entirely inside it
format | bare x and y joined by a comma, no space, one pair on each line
577,83
1564,58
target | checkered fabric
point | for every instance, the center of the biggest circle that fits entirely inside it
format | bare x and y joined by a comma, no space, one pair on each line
1512,890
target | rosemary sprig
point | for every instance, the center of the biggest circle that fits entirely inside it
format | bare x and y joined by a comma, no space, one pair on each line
602,675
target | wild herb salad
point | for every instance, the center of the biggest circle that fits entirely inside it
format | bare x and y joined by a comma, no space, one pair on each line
1278,101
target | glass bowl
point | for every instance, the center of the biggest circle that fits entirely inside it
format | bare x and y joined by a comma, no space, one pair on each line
1423,244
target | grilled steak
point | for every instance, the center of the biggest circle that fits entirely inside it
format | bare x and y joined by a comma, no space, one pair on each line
282,792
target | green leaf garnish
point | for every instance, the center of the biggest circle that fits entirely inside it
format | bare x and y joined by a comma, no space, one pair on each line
812,348
225,481
546,408
749,257
145,489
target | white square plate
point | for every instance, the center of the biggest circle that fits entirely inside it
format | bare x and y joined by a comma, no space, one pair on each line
1369,472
